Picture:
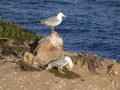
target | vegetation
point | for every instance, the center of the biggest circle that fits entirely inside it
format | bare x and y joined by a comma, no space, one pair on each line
12,31
68,74
15,35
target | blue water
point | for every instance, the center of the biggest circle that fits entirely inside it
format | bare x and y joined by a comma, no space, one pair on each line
92,25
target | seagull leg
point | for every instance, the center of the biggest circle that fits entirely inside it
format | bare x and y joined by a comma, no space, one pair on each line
52,29
60,69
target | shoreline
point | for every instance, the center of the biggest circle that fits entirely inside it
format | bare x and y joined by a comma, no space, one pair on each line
95,73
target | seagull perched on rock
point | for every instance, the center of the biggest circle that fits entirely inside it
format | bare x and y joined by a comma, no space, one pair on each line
53,21
60,63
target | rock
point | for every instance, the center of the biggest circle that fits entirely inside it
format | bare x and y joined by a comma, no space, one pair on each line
48,49
51,48
113,69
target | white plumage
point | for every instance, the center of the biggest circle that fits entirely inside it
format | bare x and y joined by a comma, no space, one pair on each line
60,63
53,21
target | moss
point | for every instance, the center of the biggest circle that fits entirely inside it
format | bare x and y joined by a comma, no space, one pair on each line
2,43
12,31
19,36
7,50
68,74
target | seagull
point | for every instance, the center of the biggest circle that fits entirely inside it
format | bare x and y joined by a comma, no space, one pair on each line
53,21
60,63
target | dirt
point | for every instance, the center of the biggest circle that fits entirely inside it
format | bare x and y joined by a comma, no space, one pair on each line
92,71
12,78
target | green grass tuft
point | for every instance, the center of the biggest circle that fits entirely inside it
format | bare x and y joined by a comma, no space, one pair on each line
12,31
68,74
19,36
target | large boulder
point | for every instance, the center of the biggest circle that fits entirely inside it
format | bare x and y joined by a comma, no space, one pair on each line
48,49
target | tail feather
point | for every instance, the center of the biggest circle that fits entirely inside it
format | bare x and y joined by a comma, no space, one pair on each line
40,22
46,67
43,67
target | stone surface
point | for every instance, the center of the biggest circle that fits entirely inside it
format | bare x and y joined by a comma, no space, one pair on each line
14,79
106,76
48,49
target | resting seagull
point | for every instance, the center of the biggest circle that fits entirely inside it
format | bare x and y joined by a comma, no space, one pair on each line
53,21
60,63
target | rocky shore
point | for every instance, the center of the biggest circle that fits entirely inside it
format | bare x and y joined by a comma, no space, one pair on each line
23,55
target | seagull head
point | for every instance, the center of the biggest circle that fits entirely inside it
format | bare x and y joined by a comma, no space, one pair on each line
69,61
61,15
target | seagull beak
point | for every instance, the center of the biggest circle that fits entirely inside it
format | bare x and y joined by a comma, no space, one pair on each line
65,16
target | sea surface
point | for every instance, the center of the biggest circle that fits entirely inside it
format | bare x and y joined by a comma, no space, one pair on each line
92,25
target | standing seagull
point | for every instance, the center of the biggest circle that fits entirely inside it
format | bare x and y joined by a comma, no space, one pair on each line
53,21
60,63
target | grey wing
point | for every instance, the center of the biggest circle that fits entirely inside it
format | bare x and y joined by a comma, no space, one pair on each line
58,62
49,20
